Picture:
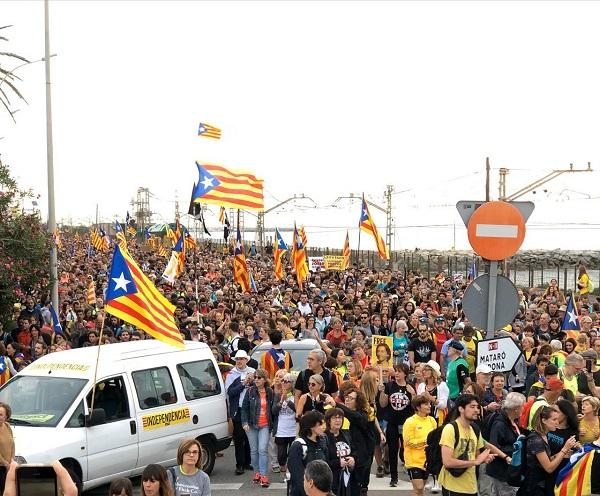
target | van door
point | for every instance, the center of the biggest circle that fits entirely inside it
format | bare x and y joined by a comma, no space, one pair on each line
112,446
159,415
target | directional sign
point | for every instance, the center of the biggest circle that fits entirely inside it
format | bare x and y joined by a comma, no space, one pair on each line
499,354
475,302
496,230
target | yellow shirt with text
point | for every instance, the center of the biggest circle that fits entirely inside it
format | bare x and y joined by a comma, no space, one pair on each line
467,482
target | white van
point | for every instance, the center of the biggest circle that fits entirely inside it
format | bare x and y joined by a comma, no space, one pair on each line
149,397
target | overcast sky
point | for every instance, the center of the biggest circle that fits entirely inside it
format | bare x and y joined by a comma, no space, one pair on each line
320,98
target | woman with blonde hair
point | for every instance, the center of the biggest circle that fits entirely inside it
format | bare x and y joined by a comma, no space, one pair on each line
257,421
589,424
188,473
284,420
369,386
355,371
435,390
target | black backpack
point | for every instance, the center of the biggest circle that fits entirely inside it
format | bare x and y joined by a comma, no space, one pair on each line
433,451
488,422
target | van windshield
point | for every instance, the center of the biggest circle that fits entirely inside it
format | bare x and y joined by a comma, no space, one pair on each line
40,401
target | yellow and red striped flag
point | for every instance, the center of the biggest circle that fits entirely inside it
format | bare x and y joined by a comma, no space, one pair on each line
300,263
346,252
222,215
189,242
57,240
303,236
91,292
220,186
207,131
162,250
131,296
367,225
120,235
240,267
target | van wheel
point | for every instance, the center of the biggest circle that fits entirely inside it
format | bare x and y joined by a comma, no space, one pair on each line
208,455
74,476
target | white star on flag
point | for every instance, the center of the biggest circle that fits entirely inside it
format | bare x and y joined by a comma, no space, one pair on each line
121,282
207,182
572,317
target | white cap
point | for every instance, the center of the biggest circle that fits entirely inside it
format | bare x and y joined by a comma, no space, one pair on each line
241,354
484,368
435,366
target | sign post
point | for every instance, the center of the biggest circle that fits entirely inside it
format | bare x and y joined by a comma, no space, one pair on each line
496,231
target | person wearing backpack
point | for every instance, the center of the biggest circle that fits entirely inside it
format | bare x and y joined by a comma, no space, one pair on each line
310,445
415,432
463,448
501,429
540,463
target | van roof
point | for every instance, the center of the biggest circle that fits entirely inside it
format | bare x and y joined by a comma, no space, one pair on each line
81,362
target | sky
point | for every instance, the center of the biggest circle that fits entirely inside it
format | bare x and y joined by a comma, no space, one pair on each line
324,99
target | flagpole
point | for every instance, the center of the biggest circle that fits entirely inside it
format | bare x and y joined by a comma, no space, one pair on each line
97,361
358,250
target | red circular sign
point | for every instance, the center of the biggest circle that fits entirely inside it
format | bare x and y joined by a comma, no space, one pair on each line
496,230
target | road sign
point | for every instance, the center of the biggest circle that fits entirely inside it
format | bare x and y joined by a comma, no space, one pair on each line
467,207
476,297
500,354
496,230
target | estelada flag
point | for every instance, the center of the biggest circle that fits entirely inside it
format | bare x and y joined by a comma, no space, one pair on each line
240,267
367,225
220,186
131,296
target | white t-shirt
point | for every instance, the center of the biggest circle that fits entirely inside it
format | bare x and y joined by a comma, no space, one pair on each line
286,424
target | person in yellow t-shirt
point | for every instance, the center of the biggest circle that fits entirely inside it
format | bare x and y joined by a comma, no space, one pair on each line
471,346
414,432
469,452
583,281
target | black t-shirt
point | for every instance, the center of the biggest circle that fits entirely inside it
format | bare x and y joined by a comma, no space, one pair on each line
421,349
537,478
331,385
582,383
556,441
399,407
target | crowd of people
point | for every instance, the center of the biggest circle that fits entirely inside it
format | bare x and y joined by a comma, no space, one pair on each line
341,408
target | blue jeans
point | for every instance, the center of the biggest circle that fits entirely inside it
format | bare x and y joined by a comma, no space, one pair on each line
259,445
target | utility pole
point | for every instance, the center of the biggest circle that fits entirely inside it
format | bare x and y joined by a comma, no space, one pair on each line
388,217
535,184
50,163
260,222
487,179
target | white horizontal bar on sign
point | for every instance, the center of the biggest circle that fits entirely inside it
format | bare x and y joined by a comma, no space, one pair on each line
496,231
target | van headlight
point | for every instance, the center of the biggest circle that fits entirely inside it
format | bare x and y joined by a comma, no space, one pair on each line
20,460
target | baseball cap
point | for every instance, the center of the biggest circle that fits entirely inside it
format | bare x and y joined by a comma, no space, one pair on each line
554,384
456,345
484,368
241,354
589,354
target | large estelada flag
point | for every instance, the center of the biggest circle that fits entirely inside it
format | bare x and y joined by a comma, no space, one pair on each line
131,296
570,322
220,186
367,225
575,478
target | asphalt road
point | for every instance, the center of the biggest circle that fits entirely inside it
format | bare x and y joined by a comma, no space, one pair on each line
224,481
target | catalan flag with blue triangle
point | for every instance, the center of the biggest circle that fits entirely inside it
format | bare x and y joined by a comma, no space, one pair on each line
367,225
300,262
55,322
120,235
207,131
570,322
575,478
176,263
279,249
132,297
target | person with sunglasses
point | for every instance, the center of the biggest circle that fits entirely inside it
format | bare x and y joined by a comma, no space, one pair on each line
421,349
188,477
284,420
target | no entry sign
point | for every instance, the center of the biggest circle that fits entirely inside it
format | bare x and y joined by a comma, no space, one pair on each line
496,230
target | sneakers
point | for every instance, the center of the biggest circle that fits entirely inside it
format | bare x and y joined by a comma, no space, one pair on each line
256,478
379,474
264,481
436,488
275,469
393,482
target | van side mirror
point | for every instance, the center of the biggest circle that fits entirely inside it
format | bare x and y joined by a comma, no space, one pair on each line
96,417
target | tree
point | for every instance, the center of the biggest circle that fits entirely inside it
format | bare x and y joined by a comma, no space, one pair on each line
24,247
8,78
